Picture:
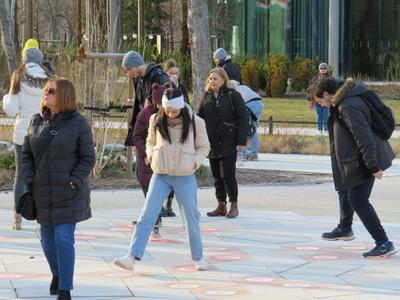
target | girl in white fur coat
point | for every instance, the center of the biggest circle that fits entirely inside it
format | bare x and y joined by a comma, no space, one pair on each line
22,102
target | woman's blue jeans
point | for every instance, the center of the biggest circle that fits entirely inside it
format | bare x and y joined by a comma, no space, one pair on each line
58,247
185,188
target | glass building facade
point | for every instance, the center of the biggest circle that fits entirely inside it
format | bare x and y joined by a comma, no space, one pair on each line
369,31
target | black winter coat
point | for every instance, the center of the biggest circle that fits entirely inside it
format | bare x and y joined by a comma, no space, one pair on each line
226,119
356,151
154,74
69,157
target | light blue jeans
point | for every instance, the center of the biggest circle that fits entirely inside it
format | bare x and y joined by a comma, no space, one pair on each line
185,188
257,108
322,117
58,247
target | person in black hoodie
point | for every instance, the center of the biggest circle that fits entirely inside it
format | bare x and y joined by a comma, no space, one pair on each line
226,116
57,170
358,155
143,75
223,60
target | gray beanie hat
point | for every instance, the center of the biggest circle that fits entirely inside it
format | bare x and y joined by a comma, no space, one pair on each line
323,65
220,54
132,59
33,55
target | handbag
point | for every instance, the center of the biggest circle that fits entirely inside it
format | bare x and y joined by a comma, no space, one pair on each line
26,205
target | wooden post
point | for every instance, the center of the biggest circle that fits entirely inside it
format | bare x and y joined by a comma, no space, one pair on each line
270,125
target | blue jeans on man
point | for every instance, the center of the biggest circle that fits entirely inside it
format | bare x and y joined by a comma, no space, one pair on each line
58,247
257,107
322,118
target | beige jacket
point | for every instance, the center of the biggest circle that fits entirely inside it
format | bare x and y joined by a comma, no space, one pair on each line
177,159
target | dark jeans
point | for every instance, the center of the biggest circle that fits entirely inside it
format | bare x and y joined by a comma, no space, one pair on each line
18,180
224,173
356,199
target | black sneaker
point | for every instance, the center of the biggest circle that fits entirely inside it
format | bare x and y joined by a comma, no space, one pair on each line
381,251
338,234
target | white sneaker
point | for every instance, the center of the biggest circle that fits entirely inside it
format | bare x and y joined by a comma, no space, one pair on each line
126,262
201,265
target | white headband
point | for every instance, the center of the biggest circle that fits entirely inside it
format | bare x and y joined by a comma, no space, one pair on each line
175,103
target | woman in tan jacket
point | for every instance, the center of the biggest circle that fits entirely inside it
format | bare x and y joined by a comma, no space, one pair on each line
177,144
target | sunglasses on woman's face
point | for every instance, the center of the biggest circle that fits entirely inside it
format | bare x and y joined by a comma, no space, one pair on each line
50,91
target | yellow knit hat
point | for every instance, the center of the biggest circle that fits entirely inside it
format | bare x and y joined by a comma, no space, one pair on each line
31,43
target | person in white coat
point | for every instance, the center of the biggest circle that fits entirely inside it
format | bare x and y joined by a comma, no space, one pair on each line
22,102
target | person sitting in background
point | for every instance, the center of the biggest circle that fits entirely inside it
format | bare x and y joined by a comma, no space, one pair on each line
322,113
22,102
223,60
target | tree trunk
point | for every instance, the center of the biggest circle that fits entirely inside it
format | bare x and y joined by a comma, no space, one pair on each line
7,37
199,45
28,24
184,28
78,23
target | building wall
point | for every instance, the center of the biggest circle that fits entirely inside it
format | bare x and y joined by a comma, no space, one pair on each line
369,34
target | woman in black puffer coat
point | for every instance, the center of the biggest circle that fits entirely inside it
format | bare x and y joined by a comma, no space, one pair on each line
58,176
226,118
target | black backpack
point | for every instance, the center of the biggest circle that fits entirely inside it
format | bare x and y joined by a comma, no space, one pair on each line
383,123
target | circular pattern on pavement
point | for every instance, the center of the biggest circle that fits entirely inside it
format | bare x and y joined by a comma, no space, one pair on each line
354,248
325,257
121,229
221,293
186,269
80,237
118,275
185,286
2,238
208,229
307,248
228,257
296,285
259,279
10,276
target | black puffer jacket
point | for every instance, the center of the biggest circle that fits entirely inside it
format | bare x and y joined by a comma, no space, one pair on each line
226,120
69,157
356,151
154,74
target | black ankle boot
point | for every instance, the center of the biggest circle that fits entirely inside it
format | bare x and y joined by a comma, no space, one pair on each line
54,286
64,295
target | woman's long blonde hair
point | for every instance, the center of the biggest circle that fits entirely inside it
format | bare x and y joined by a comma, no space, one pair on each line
221,72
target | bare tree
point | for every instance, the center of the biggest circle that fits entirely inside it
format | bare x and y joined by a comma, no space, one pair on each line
199,45
7,37
184,28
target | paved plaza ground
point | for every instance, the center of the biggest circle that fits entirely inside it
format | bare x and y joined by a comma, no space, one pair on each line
272,250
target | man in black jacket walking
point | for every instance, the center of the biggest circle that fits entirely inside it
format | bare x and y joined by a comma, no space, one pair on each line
358,155
143,75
